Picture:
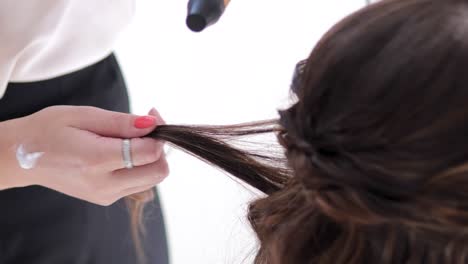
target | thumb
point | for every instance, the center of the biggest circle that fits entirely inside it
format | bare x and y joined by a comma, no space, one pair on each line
113,124
159,119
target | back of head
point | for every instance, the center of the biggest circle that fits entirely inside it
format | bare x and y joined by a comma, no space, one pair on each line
376,145
378,142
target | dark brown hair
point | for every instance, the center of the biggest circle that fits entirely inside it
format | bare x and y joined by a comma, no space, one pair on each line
376,146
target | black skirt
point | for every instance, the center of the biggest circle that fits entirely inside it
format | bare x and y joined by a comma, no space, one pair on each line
42,226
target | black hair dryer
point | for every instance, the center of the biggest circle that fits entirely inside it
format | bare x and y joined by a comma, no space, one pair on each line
204,13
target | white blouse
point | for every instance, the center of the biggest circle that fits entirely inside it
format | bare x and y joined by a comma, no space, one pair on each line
43,39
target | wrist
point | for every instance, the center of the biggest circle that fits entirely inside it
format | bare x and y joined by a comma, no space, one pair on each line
10,172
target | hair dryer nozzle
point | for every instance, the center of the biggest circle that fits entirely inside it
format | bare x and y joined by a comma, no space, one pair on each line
203,13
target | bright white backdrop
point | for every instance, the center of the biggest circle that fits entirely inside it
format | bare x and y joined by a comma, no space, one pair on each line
238,70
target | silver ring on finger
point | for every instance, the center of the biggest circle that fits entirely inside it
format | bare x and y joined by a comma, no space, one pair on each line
126,153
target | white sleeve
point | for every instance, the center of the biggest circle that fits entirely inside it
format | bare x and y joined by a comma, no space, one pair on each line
44,39
8,43
15,34
6,67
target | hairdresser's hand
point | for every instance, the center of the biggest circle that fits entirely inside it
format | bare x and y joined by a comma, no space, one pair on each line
79,153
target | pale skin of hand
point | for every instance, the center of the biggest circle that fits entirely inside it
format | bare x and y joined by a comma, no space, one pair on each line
82,149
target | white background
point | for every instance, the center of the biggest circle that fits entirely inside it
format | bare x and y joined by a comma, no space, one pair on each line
235,71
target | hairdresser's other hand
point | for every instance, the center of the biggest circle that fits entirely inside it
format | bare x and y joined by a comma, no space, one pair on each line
80,153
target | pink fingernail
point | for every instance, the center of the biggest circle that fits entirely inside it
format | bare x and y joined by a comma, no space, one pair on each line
145,122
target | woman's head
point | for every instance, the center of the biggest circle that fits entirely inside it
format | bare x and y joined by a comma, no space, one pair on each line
376,145
383,99
378,142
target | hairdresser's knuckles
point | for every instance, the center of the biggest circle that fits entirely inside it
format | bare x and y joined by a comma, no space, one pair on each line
111,127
